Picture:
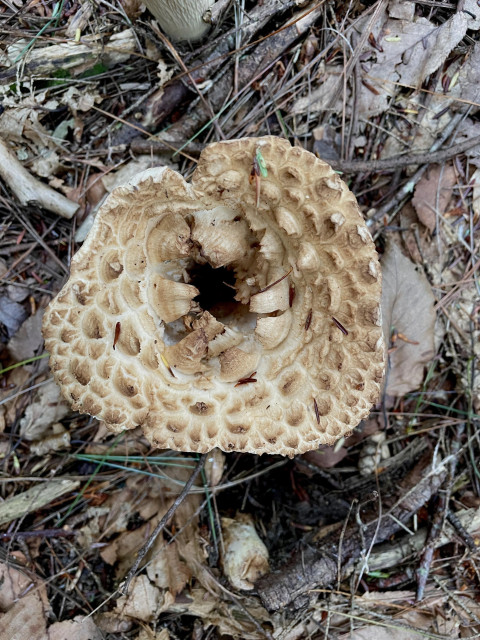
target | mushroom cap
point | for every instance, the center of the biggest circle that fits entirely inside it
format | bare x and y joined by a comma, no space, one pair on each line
292,360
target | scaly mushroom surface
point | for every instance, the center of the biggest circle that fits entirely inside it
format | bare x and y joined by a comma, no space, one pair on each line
240,311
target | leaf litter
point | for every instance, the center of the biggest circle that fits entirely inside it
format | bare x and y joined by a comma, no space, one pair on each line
408,316
433,194
357,84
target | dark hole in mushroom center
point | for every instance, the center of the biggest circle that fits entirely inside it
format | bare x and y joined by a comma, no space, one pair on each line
217,296
216,286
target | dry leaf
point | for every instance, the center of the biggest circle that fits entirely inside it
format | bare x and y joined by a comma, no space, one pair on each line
401,9
14,623
46,164
28,339
325,457
143,601
407,52
433,194
476,194
47,408
407,307
148,634
80,628
13,583
230,619
145,496
467,86
374,632
58,440
109,622
165,569
77,100
17,378
132,7
12,315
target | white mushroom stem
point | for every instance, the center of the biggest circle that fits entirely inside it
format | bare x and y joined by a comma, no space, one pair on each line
181,19
29,189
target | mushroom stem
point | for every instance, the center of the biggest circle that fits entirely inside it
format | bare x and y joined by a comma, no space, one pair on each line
181,19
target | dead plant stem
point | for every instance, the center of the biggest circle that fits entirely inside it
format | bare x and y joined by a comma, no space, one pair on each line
162,524
406,160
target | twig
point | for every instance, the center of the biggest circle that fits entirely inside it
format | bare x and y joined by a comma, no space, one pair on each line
207,61
460,601
413,180
41,533
216,13
318,566
430,545
405,160
441,512
162,524
467,538
182,65
29,189
142,145
251,68
340,542
39,240
352,61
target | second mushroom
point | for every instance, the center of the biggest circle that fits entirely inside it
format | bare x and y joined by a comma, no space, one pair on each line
240,311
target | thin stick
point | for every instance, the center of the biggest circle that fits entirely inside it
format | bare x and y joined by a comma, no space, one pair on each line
406,160
137,128
409,186
162,524
40,533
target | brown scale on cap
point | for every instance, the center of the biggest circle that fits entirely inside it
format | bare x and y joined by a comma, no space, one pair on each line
197,279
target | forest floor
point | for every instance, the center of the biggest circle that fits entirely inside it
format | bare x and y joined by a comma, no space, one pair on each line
376,537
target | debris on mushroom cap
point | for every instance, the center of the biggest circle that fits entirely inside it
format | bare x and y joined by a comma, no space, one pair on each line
230,312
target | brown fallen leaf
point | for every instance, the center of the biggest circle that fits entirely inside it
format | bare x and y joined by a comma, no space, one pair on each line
58,439
28,340
374,632
14,623
326,457
476,194
467,86
165,569
407,307
143,601
223,614
80,628
47,408
148,634
410,51
433,194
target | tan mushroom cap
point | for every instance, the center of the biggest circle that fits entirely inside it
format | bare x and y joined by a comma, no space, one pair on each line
290,359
